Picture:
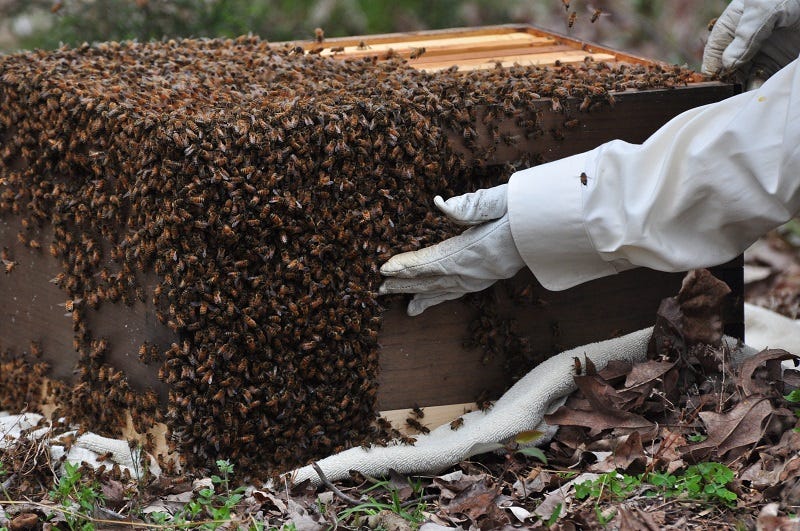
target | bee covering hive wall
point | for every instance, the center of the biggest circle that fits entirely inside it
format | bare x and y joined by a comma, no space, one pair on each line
245,195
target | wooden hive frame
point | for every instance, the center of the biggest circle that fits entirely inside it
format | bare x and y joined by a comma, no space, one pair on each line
423,360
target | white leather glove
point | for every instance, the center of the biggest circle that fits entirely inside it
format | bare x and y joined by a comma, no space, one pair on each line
753,39
471,261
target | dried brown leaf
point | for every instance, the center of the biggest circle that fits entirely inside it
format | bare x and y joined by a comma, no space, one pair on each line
768,520
646,376
647,372
614,370
791,492
24,522
600,394
451,485
598,421
700,298
114,493
634,519
753,382
536,481
629,456
790,470
739,427
667,341
475,501
791,378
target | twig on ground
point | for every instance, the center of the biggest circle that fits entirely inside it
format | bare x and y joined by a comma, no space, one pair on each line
421,499
109,513
334,488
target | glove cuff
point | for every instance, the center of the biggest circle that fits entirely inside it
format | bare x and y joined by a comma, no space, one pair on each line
545,207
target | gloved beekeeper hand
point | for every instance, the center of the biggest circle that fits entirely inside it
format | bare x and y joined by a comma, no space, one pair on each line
753,39
471,261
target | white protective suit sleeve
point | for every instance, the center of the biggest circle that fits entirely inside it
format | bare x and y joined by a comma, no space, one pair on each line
695,194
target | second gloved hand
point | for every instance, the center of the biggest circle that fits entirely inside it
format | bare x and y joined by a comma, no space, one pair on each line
753,39
469,262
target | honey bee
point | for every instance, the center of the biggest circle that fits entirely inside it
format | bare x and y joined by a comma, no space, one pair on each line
571,19
407,441
36,349
337,49
596,13
414,424
457,423
417,412
69,305
417,52
9,265
362,45
319,34
584,181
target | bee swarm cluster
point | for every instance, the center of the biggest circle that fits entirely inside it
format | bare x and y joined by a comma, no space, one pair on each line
263,187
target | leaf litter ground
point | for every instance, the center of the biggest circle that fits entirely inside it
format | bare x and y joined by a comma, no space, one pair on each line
685,439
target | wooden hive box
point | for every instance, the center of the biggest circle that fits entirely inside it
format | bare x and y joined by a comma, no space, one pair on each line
435,361
424,361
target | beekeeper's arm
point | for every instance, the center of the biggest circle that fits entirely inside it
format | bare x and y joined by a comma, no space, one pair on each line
695,194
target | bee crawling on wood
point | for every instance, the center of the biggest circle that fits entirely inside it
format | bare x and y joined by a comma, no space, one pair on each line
9,265
417,52
414,424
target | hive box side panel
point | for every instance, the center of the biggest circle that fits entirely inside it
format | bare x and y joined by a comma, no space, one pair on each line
425,361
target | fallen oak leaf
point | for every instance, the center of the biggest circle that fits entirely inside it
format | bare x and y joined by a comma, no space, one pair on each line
646,376
601,395
628,457
475,501
647,372
605,403
741,426
615,370
751,385
667,341
598,421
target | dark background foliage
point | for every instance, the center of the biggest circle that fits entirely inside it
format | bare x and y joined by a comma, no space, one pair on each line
670,30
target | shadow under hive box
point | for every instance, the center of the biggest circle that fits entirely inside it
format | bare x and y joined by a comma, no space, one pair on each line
192,229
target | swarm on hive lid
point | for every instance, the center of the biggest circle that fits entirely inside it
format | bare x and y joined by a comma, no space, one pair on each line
248,194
